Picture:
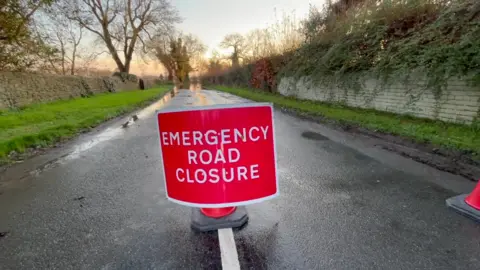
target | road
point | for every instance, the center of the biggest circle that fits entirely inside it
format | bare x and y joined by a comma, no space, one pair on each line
98,202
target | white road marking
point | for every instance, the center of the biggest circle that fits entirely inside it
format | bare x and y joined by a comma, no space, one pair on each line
228,250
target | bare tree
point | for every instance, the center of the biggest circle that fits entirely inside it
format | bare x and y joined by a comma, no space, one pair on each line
53,27
88,61
195,49
260,43
280,37
216,63
286,32
74,39
237,43
123,26
163,51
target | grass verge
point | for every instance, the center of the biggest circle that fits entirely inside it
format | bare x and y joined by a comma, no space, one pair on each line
449,135
44,124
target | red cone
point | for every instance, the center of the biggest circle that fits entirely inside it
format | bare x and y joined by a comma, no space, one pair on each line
474,198
467,204
218,212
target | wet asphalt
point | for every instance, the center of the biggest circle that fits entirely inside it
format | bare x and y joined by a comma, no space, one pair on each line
99,202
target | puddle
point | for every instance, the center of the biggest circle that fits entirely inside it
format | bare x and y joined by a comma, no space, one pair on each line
155,106
195,86
103,136
112,132
202,99
314,136
173,92
90,141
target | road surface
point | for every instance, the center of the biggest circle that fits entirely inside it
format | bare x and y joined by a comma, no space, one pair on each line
98,202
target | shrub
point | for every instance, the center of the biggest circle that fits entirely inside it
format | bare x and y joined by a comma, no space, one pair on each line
132,78
263,76
382,39
109,84
124,76
392,38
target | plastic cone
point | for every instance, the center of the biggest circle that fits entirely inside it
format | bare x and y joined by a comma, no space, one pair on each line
474,198
467,204
212,219
218,212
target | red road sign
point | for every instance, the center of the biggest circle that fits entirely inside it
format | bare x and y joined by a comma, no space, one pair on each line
218,156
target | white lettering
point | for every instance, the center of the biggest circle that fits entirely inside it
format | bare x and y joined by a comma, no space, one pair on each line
211,140
254,172
251,135
165,138
237,134
230,155
188,177
214,137
225,133
214,178
204,153
219,157
178,175
242,172
224,175
192,157
197,137
186,138
198,178
174,136
264,131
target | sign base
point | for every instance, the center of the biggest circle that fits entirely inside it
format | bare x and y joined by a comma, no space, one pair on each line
458,204
202,223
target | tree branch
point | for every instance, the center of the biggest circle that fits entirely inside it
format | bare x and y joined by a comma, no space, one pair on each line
91,29
144,47
80,36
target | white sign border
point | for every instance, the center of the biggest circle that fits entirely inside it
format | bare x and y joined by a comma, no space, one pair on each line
214,107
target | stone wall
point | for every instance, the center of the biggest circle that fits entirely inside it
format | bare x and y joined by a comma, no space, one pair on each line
20,89
456,102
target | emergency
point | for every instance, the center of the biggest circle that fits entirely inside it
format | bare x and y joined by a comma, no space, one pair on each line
214,137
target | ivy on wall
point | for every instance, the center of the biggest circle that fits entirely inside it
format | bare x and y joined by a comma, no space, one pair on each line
440,38
389,43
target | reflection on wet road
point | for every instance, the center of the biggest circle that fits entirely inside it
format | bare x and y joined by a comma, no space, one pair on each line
74,151
99,203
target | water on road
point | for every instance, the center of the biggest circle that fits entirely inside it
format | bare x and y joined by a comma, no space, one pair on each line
99,203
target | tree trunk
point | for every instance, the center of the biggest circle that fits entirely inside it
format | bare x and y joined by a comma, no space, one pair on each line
131,48
63,60
72,66
235,60
113,51
63,64
128,59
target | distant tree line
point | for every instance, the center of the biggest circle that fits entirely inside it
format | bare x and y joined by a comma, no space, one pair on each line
66,36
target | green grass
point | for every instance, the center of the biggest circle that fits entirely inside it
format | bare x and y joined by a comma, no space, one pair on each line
45,124
448,135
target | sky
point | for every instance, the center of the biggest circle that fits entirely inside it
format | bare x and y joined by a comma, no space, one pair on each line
212,20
